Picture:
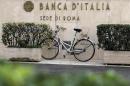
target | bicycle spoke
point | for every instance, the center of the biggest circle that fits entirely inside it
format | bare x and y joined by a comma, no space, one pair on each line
50,49
84,50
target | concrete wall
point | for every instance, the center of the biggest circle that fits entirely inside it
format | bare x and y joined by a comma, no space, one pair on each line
90,13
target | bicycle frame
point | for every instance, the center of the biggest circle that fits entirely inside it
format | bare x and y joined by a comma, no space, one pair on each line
69,45
70,49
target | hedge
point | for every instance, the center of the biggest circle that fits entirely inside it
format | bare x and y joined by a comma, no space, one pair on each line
114,37
12,74
24,35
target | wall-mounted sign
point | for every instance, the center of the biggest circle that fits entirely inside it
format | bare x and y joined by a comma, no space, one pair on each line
70,10
62,6
66,11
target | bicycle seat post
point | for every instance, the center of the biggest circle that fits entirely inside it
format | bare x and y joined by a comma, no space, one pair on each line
75,34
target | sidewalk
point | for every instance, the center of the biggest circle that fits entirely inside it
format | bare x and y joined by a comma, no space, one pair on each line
69,62
74,63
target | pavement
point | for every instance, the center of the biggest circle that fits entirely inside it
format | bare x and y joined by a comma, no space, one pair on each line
68,62
76,63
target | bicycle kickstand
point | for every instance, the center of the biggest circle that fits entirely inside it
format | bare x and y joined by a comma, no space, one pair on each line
64,56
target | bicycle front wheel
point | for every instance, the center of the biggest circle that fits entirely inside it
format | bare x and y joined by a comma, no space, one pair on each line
84,50
49,48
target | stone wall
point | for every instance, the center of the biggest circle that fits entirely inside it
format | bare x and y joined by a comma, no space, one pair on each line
85,14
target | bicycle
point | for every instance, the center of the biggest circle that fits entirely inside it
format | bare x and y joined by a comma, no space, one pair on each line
83,49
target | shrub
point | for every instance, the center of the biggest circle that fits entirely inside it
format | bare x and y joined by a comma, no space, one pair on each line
18,75
114,37
14,74
24,35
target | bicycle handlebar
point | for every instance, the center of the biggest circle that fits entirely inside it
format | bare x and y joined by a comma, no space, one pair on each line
58,28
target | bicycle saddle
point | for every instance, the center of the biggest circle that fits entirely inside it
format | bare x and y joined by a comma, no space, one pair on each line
77,30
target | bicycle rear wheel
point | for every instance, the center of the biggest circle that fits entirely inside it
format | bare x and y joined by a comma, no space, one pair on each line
49,48
84,50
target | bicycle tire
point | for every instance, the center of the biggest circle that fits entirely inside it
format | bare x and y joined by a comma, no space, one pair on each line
88,50
49,48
